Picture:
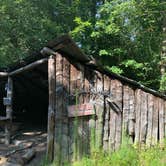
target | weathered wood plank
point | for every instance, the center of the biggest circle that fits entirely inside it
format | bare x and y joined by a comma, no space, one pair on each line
126,109
51,108
161,121
99,106
155,129
59,109
106,114
119,98
65,122
144,116
131,125
138,115
150,119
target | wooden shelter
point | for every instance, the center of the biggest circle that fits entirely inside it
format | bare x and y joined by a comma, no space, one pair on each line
87,106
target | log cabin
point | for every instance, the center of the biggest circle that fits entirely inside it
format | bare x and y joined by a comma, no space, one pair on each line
83,105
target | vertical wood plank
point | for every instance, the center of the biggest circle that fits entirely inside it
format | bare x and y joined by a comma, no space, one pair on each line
51,108
59,109
99,110
65,130
150,119
119,98
161,121
131,125
155,121
144,116
126,109
106,113
112,122
138,116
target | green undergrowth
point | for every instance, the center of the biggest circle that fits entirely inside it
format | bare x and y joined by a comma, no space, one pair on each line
127,155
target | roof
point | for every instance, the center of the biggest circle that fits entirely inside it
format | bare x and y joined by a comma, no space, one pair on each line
66,45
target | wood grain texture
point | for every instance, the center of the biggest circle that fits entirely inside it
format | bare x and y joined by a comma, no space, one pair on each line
144,117
51,108
161,121
107,83
138,115
150,119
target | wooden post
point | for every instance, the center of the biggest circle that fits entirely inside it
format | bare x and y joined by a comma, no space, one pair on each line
51,108
9,110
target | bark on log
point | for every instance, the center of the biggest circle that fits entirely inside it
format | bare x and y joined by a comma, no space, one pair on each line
28,67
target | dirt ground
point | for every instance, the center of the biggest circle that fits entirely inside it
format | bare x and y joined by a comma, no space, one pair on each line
29,141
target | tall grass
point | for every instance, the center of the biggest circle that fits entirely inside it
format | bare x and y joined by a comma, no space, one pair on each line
127,155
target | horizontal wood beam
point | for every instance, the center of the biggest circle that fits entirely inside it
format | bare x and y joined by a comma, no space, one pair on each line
28,67
3,74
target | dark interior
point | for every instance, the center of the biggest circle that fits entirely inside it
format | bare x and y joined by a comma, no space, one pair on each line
30,96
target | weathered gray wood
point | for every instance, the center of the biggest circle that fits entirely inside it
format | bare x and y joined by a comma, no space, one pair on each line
138,115
106,114
112,119
126,109
150,119
9,111
59,110
28,67
118,136
131,125
155,121
74,128
99,106
51,108
161,122
144,117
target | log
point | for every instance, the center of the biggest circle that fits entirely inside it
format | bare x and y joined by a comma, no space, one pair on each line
3,74
51,108
9,111
28,67
30,153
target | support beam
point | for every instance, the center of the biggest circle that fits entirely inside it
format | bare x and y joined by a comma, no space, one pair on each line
51,107
3,74
28,67
9,111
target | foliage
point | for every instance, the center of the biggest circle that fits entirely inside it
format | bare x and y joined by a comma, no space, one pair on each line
126,156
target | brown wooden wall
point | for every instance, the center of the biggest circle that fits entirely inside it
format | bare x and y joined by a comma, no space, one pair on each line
118,108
